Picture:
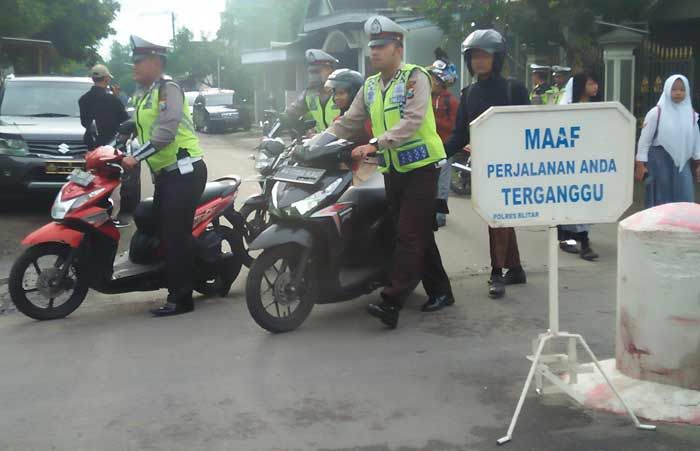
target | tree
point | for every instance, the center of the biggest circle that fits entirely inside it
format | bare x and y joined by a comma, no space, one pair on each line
539,24
119,65
74,26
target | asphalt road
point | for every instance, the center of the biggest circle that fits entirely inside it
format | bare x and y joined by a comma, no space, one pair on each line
110,377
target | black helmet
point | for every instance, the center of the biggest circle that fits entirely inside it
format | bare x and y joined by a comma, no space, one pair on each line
346,79
490,41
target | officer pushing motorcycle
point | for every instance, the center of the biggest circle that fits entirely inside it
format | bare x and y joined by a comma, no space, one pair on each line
397,102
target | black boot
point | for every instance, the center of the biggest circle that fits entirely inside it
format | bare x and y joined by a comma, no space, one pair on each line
498,284
436,303
171,309
515,276
387,312
587,252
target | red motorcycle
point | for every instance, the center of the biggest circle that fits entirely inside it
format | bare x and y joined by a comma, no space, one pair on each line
78,250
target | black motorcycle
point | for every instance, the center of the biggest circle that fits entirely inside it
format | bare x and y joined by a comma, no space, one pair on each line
329,242
272,154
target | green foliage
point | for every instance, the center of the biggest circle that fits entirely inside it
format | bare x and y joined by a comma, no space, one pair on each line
540,24
74,26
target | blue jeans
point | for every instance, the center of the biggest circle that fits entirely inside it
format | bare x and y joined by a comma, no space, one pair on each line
664,183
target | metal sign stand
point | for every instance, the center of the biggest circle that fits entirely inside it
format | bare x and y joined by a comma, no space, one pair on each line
541,362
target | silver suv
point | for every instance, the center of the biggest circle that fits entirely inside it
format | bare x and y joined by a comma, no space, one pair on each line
41,138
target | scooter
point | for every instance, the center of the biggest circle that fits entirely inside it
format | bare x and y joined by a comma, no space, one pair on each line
78,250
272,154
329,241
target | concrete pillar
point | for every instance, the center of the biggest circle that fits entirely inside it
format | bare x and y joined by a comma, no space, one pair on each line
658,299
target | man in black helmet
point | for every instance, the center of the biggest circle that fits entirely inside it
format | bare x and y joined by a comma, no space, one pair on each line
484,52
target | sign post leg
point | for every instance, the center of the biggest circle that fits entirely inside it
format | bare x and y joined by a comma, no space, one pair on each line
553,276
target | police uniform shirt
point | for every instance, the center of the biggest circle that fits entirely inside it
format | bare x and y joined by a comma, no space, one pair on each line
299,107
170,106
418,98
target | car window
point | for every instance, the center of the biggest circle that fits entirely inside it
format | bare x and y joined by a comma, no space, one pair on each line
219,99
42,98
191,97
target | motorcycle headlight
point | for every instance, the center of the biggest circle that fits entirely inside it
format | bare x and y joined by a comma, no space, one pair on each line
15,147
61,207
312,202
263,161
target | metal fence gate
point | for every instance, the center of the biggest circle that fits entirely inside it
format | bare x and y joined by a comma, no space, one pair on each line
655,63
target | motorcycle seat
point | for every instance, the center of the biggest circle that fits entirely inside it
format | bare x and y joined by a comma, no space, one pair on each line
144,216
369,197
215,190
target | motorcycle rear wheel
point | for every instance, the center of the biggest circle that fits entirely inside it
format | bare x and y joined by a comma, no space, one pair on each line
47,286
220,284
271,274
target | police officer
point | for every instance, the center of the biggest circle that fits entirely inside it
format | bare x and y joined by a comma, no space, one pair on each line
561,75
397,102
484,54
317,100
172,151
540,87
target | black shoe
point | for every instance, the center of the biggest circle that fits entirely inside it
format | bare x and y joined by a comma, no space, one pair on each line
515,276
171,309
498,287
388,313
588,254
120,223
568,247
438,303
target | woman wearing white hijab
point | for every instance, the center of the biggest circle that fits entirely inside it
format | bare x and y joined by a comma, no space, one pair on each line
582,88
669,140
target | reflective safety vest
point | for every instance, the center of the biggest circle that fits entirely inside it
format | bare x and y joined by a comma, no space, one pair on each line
387,109
540,95
147,111
554,95
324,115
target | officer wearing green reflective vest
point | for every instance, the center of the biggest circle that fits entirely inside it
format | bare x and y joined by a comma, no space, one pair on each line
540,87
397,102
560,75
316,102
171,149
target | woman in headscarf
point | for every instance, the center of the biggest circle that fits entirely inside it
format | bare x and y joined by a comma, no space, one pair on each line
670,139
582,88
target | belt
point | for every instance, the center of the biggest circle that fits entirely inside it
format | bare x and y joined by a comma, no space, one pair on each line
172,167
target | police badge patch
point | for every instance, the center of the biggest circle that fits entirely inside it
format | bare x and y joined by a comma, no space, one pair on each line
411,89
376,27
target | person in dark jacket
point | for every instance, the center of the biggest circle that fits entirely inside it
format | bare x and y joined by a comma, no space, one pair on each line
101,107
484,53
106,111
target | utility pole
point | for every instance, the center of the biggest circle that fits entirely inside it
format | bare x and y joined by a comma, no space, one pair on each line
172,16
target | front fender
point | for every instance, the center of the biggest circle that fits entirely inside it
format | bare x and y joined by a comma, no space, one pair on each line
276,235
54,232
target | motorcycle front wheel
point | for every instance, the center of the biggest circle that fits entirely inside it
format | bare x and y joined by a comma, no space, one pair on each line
37,287
273,301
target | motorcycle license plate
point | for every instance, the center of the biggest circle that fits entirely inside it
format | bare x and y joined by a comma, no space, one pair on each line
63,167
80,177
299,174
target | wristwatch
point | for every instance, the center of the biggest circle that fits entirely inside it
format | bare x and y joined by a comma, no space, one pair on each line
374,142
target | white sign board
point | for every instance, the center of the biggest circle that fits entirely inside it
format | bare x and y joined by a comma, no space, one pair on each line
553,165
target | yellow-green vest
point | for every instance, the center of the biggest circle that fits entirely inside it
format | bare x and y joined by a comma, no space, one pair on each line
554,95
386,110
324,116
147,111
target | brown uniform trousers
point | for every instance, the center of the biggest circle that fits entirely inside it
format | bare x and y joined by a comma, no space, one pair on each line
504,248
411,198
